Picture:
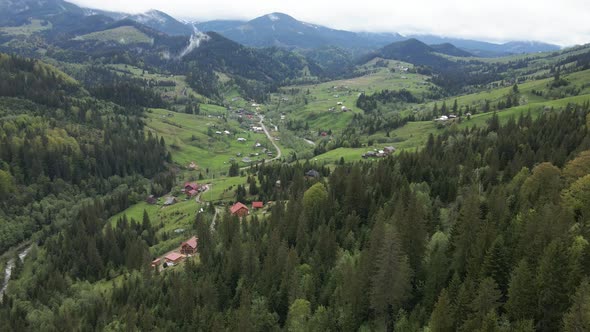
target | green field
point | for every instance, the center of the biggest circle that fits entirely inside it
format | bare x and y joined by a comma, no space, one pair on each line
121,35
188,138
312,102
27,29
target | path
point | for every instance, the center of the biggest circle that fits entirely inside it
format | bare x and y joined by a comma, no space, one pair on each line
279,153
272,141
310,142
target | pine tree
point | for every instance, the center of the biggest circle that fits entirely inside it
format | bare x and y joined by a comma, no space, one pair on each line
390,284
442,318
522,294
577,318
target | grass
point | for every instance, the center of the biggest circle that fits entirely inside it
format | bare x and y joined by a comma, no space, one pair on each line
26,30
121,35
188,138
311,103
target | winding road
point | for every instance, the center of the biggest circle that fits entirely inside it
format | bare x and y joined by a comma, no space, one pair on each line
272,141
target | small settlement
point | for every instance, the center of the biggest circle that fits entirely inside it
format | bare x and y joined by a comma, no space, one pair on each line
187,249
386,151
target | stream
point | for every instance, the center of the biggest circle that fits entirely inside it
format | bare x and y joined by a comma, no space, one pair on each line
8,270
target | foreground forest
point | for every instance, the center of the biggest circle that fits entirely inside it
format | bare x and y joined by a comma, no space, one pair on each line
485,229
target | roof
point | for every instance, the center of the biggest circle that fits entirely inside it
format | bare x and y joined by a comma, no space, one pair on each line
257,205
192,192
312,173
156,261
173,256
192,242
237,207
170,200
191,185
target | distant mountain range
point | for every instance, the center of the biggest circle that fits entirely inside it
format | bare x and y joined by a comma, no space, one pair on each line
282,30
278,29
485,49
272,30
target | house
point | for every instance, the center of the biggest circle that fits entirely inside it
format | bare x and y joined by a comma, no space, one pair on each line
324,134
156,262
189,247
343,109
170,200
389,149
339,103
192,193
442,118
151,200
369,154
218,132
173,258
257,205
226,132
188,186
241,139
246,160
239,210
312,173
192,166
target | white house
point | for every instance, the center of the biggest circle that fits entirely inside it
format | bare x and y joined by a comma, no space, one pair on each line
241,139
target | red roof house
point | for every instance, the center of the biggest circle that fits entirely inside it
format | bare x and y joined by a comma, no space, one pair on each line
239,209
189,247
188,186
192,192
156,262
257,205
174,257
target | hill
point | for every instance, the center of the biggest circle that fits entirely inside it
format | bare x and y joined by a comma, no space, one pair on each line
486,49
163,22
413,51
278,29
450,49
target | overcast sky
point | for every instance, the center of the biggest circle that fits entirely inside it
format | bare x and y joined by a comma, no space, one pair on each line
563,22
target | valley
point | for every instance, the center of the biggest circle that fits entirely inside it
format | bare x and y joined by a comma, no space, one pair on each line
161,174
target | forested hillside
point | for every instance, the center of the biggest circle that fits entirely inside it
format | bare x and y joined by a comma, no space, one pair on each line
484,229
59,147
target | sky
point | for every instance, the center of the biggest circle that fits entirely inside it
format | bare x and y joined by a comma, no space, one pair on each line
562,22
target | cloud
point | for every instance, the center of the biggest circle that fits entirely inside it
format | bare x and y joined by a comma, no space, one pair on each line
564,22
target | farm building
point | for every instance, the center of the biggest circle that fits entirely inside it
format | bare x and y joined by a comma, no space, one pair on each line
188,186
312,173
151,200
170,200
389,149
189,247
239,210
156,262
174,258
257,205
241,139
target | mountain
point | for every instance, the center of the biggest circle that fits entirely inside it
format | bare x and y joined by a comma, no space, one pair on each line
412,51
282,30
163,22
450,49
218,25
18,12
486,49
